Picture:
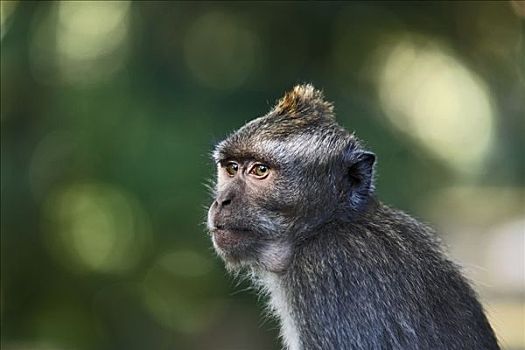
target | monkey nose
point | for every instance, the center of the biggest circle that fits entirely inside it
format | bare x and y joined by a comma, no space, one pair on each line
221,203
225,198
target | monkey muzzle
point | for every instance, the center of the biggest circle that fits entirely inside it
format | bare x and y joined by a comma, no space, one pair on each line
228,238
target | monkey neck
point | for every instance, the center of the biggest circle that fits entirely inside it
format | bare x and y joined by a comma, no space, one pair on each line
279,304
303,285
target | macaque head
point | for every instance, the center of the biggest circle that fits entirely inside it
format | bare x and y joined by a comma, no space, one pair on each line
282,176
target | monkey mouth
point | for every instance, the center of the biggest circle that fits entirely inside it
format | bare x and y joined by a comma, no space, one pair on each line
226,238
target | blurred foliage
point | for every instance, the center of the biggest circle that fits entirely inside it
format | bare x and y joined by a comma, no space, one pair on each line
109,111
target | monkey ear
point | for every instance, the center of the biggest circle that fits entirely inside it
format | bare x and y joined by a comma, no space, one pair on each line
359,165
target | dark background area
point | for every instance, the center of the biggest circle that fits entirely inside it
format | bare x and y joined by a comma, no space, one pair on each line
109,111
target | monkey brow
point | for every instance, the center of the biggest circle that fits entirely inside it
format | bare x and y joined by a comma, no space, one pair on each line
241,155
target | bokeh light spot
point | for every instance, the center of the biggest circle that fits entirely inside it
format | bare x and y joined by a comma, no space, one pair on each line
95,227
6,10
508,270
430,96
220,50
80,42
88,29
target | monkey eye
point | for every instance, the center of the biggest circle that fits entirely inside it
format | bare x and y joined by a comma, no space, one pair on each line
231,168
260,171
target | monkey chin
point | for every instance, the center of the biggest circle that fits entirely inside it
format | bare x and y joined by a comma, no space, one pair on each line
234,245
243,249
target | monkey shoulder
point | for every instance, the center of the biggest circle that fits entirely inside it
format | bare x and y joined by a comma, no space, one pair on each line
394,274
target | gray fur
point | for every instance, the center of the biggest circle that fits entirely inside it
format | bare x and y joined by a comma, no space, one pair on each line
342,270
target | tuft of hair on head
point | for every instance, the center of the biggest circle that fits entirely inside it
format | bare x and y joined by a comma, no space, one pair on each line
303,100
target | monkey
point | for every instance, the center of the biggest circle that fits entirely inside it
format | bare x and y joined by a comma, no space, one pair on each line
294,207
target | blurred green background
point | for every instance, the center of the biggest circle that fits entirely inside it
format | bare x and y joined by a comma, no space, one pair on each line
109,111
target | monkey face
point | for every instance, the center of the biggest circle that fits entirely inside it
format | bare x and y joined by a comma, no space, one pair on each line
269,198
246,219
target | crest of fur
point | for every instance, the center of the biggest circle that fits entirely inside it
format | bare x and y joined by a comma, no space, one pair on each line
304,100
302,110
